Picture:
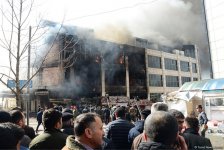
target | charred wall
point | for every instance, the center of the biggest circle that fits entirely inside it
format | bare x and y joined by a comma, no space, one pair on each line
137,71
82,62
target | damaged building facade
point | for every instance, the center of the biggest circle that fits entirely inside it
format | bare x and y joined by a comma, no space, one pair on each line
82,66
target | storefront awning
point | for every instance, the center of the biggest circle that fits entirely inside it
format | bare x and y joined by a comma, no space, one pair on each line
204,85
189,95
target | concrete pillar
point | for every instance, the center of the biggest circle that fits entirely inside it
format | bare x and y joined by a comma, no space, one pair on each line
163,71
103,79
179,69
147,75
127,77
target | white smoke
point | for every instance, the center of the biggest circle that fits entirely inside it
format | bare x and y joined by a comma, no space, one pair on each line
166,22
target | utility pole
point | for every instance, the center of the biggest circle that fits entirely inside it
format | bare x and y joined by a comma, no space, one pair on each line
28,77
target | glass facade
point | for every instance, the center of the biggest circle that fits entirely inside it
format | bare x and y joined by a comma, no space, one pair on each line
170,64
154,62
172,81
184,66
185,79
155,80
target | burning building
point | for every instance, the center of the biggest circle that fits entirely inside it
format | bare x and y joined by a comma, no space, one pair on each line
80,66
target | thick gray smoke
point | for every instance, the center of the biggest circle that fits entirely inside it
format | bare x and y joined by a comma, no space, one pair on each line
165,22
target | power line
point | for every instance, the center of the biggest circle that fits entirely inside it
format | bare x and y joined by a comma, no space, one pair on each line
113,10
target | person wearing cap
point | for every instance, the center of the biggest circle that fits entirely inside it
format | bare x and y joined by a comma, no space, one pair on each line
202,118
67,123
139,126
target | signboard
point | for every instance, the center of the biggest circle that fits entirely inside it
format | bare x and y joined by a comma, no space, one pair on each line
12,83
40,93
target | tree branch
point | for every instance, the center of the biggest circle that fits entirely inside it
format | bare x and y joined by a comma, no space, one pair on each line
2,75
40,67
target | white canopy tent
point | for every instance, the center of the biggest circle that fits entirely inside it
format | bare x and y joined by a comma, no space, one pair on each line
196,92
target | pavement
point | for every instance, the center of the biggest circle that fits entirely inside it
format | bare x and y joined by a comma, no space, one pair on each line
33,123
216,136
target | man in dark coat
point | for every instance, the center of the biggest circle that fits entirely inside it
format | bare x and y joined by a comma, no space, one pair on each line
117,130
39,118
89,133
202,118
52,138
161,132
67,123
139,126
106,115
192,137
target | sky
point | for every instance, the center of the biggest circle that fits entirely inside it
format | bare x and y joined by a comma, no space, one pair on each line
169,22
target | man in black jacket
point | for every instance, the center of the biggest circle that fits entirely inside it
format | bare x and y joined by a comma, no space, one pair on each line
192,137
117,130
39,118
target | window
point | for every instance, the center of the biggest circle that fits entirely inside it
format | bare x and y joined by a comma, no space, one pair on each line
184,66
170,64
185,79
195,79
172,81
155,80
155,97
194,68
217,101
189,50
154,62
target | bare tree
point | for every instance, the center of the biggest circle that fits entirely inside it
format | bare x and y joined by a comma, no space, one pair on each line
14,40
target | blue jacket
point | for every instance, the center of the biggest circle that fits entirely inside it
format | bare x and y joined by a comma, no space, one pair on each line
39,116
202,118
117,131
135,131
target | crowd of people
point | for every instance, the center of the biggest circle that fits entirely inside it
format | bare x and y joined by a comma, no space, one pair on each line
114,128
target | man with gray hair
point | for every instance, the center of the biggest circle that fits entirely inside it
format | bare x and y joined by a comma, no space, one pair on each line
161,132
159,106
